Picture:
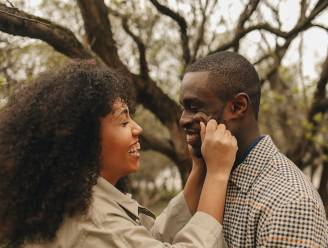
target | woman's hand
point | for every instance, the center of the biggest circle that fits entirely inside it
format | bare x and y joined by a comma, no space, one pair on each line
194,184
219,148
198,163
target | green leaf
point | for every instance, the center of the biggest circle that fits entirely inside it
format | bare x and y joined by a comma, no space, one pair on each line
318,117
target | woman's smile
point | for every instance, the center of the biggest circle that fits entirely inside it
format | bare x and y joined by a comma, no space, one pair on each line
134,149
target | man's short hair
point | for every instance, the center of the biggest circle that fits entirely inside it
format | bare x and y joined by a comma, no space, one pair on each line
233,74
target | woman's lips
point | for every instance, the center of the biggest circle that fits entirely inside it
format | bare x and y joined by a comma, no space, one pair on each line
134,150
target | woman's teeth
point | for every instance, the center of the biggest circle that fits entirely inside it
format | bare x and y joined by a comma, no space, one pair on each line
135,149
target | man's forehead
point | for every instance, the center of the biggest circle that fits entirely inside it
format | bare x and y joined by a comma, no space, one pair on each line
195,79
195,87
195,83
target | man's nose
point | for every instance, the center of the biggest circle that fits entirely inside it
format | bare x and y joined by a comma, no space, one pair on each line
185,119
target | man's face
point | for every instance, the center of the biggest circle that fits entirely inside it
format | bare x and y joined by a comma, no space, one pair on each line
200,103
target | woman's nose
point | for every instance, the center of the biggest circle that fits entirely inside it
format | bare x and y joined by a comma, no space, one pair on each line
137,130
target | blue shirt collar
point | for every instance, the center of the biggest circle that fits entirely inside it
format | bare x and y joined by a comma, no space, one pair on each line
242,158
257,159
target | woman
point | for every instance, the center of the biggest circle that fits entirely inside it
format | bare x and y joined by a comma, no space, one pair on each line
67,140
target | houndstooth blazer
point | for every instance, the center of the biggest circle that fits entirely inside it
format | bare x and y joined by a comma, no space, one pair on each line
270,203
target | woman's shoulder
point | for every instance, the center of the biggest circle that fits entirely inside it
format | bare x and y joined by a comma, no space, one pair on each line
101,210
108,201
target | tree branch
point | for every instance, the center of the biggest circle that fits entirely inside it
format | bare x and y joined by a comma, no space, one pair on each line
16,22
268,53
303,24
99,32
266,27
239,35
272,74
151,142
275,11
201,29
182,25
320,26
248,11
304,6
10,3
153,98
240,29
141,47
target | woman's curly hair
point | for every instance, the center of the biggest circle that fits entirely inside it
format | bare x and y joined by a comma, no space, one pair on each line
50,149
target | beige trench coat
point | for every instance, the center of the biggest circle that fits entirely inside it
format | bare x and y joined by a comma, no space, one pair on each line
115,220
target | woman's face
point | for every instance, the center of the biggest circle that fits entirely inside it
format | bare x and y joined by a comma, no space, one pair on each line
119,143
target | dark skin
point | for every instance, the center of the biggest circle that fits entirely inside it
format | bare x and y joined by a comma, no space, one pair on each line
200,102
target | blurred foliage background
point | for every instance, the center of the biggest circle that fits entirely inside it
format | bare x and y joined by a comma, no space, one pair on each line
152,42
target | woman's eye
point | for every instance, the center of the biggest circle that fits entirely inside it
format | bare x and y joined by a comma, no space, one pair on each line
124,124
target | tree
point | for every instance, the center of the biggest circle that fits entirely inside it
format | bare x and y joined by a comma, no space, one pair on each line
192,35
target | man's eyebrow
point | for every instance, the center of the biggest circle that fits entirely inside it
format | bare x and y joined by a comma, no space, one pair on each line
190,100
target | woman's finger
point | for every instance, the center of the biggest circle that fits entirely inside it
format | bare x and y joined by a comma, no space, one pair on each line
202,131
211,126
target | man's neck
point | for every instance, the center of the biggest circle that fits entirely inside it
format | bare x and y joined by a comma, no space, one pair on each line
245,140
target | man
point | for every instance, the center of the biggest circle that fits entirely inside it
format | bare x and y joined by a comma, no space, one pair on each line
270,203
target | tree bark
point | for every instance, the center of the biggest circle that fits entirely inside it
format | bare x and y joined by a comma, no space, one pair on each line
16,22
323,187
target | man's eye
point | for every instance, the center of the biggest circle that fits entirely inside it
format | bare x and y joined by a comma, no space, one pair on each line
193,108
189,107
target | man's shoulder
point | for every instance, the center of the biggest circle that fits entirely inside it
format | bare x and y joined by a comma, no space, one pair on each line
282,182
271,201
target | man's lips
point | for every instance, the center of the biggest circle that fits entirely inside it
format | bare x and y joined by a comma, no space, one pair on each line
193,137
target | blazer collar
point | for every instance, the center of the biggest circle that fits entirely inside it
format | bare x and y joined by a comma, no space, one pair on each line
246,173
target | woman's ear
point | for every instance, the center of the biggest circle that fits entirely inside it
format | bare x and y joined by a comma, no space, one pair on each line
239,105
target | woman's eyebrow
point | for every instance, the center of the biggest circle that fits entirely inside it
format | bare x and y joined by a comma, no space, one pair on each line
125,112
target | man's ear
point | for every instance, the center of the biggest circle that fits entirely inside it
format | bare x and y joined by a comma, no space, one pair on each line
239,105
